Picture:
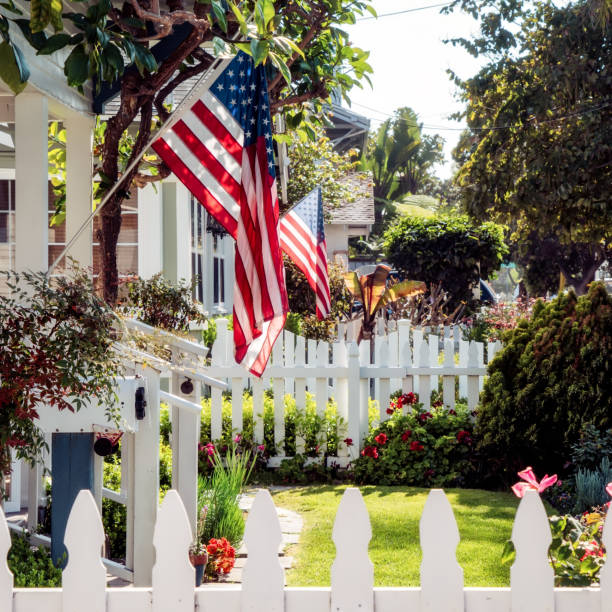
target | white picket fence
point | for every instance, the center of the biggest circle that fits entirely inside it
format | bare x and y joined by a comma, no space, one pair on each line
352,573
406,359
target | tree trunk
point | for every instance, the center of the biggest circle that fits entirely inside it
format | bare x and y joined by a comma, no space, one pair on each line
108,237
590,265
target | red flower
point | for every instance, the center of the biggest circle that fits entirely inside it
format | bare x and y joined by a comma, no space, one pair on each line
406,435
453,412
424,416
381,439
348,441
464,436
438,404
415,445
390,410
370,451
428,473
408,398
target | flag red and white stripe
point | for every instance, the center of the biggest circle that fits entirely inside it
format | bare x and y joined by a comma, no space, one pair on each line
302,238
221,149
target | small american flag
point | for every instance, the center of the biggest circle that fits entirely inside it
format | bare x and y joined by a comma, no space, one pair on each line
303,239
221,149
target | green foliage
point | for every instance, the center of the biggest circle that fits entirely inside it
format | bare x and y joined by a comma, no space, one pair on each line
451,250
315,162
160,303
551,379
31,567
576,552
591,486
536,154
219,493
592,446
429,449
321,433
303,304
55,342
401,157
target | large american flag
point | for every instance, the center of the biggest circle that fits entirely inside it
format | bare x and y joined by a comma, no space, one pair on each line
303,239
221,149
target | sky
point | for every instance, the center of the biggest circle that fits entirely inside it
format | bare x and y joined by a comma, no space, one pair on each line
410,60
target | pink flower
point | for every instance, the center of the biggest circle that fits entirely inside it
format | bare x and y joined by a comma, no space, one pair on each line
210,448
261,448
237,438
531,483
609,489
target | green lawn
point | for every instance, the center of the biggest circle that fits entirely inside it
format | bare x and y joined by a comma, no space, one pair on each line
484,518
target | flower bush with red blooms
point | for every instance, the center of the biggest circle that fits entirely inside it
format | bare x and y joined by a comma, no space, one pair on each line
420,448
55,350
221,557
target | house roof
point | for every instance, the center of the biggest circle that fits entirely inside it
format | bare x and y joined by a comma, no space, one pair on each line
360,211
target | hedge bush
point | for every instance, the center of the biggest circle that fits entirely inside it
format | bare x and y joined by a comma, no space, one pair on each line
422,448
552,378
452,250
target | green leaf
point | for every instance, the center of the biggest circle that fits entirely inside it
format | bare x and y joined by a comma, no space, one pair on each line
45,12
55,42
113,56
219,12
268,11
282,67
259,50
371,10
76,67
13,68
564,552
288,44
508,554
239,17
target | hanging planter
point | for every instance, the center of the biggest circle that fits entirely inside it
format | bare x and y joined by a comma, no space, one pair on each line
199,561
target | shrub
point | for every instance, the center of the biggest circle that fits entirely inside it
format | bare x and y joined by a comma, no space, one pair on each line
422,448
32,567
450,250
591,486
160,303
550,380
319,432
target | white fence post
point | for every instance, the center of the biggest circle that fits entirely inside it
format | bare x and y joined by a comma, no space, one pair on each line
354,401
473,380
352,573
263,578
300,386
448,380
173,574
84,578
384,382
531,576
424,379
341,391
463,363
605,574
6,577
278,388
439,540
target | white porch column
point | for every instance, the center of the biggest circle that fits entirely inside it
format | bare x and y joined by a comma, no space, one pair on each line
31,183
150,237
79,165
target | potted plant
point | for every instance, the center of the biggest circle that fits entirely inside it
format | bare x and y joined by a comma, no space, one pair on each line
198,555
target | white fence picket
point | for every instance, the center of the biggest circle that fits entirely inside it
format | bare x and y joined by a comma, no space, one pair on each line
237,413
289,349
463,363
384,382
278,388
263,578
605,574
434,352
424,379
531,576
473,380
439,540
173,574
258,410
6,577
448,381
84,577
340,359
352,572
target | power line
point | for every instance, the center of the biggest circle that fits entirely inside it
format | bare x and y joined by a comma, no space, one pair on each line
412,10
484,129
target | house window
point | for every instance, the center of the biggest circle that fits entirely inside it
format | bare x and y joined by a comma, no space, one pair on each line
197,249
